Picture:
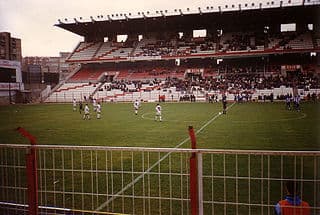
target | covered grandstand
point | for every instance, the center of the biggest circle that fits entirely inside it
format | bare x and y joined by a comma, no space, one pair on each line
270,48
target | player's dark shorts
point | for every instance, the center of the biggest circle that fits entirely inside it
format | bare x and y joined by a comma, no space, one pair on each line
224,105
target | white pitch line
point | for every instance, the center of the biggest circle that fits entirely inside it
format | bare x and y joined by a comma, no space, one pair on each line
143,116
303,115
103,205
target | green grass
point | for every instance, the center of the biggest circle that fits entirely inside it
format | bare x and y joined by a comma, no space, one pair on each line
246,126
258,126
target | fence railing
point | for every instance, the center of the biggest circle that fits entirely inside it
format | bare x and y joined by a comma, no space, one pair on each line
134,180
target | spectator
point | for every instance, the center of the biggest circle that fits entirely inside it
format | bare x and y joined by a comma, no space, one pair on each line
292,204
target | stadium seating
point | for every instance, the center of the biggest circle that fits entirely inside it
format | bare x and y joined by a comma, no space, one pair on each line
303,41
87,75
69,91
85,51
174,84
230,43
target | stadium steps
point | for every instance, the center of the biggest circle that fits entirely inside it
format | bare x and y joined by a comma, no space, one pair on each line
96,52
70,55
72,88
123,95
85,47
107,53
77,69
135,46
96,90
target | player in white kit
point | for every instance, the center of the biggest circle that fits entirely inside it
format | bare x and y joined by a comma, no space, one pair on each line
94,105
86,112
98,111
74,104
136,106
158,113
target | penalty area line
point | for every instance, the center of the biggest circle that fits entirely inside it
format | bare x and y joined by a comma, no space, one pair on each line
103,205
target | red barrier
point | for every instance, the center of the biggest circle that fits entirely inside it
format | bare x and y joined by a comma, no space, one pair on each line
193,175
32,177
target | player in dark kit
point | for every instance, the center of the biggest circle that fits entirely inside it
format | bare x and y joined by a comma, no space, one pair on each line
288,102
80,107
224,103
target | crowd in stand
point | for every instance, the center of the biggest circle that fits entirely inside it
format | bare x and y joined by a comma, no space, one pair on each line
237,42
234,80
123,86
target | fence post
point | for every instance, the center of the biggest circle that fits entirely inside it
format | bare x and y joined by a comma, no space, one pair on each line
193,175
32,177
200,183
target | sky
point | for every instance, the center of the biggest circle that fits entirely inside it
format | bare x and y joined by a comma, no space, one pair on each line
33,20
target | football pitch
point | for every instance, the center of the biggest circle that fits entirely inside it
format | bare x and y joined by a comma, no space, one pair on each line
261,126
250,126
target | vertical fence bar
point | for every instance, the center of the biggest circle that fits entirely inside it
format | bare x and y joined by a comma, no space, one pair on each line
281,177
268,184
82,188
107,180
149,191
72,180
237,191
159,181
193,174
45,176
63,179
32,182
111,171
19,179
315,192
6,179
92,180
224,186
40,178
170,185
122,195
181,183
249,183
143,186
15,174
132,178
186,162
97,180
54,177
261,184
212,187
2,194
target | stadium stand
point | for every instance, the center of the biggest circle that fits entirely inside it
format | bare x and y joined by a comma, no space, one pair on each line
230,42
238,58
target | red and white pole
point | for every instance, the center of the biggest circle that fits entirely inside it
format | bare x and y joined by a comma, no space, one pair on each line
193,174
32,177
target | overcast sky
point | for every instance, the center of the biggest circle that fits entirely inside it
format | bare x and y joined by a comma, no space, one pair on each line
33,20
